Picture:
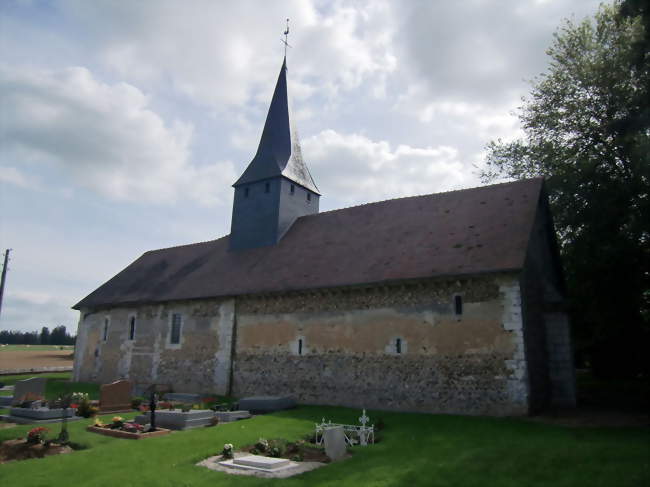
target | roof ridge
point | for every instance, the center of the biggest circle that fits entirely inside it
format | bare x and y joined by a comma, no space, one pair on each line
517,181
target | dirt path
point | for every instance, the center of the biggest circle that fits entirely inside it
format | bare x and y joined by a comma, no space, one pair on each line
10,360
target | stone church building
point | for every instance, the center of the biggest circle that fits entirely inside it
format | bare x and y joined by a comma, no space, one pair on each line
449,302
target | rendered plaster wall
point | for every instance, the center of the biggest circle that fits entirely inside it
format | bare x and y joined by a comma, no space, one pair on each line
200,363
473,363
546,325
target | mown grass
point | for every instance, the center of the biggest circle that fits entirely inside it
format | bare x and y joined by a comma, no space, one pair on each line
416,449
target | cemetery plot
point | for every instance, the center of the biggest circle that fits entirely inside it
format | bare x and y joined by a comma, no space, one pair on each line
119,428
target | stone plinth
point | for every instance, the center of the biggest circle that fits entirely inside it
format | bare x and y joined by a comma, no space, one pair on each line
266,404
258,461
39,415
183,397
178,420
230,416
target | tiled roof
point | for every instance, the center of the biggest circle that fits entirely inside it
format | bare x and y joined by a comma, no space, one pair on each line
471,231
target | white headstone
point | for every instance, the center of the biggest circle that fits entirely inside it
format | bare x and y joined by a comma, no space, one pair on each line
334,438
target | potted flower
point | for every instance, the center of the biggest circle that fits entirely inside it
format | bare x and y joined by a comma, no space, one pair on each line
227,451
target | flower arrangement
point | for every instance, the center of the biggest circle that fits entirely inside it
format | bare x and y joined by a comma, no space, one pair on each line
227,451
81,402
99,423
37,435
132,427
118,422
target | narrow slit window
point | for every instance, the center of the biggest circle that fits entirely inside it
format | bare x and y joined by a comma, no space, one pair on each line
267,188
246,191
132,328
175,337
300,346
458,305
292,189
105,329
308,196
398,345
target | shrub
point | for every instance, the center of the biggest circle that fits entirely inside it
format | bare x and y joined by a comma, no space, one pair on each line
262,445
276,448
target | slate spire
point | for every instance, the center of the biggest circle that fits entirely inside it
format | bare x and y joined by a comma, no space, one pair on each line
278,153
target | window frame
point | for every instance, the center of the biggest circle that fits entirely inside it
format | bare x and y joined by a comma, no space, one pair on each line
132,324
181,322
105,333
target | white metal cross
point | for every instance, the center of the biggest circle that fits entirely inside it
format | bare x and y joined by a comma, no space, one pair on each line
364,419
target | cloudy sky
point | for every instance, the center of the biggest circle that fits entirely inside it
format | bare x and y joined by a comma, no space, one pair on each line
124,123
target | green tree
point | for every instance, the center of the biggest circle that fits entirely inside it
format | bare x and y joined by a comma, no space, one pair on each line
586,131
45,336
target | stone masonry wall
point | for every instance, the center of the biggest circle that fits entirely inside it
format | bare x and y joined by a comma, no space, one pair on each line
341,347
200,363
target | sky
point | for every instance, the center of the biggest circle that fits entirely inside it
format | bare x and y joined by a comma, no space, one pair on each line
123,124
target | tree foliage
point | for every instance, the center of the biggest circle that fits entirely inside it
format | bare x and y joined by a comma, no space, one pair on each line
587,131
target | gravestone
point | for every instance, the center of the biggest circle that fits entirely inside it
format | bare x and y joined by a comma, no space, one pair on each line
334,439
33,388
115,397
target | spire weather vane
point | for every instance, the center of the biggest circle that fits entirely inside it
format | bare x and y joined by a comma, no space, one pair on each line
284,41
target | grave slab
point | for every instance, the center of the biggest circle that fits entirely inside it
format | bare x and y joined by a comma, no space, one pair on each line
178,420
258,461
230,416
266,404
6,401
183,397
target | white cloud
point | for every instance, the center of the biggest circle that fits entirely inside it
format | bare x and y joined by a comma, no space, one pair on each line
222,53
355,169
11,175
105,137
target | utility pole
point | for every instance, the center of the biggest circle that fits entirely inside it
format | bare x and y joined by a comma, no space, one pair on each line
4,276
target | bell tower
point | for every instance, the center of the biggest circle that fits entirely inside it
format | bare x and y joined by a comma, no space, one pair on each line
276,188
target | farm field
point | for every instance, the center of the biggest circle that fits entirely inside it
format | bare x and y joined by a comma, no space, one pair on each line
16,357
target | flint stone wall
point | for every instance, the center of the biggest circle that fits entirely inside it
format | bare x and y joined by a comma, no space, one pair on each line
472,364
200,363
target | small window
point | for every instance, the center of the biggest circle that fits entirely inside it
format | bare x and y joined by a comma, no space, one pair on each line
246,191
308,196
398,345
105,336
132,328
267,188
300,346
292,189
458,305
175,336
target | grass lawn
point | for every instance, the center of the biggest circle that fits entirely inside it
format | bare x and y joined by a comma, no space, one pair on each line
58,383
416,449
35,348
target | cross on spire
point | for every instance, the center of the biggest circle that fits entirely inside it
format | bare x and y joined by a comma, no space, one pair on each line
284,41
